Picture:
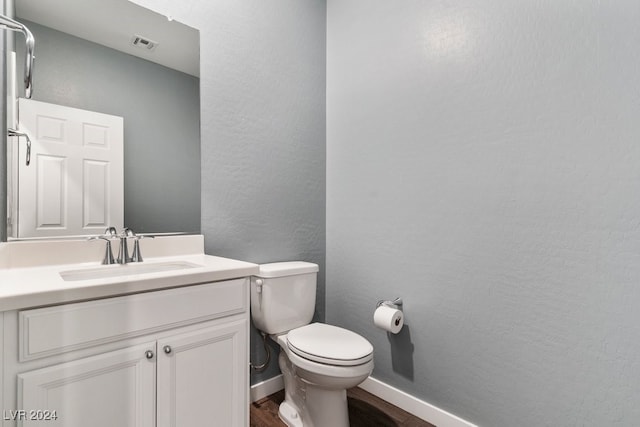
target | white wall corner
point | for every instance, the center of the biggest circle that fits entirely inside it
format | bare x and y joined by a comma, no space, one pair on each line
413,405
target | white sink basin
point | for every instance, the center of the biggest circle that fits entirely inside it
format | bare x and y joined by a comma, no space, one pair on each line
118,270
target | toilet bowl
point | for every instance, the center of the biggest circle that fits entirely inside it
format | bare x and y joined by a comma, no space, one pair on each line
318,361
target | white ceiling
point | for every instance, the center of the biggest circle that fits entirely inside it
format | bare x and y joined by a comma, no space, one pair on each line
113,23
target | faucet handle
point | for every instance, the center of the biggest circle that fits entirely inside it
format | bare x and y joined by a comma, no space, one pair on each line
108,255
137,255
101,237
109,233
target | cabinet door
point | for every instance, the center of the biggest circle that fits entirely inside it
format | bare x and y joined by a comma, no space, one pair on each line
111,389
202,377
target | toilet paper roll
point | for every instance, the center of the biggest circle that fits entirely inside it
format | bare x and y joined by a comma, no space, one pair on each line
388,319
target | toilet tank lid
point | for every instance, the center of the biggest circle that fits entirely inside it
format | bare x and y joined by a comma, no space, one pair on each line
288,268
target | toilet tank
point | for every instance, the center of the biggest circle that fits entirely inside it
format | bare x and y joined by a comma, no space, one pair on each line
283,296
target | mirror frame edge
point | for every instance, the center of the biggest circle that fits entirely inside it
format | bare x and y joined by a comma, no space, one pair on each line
6,40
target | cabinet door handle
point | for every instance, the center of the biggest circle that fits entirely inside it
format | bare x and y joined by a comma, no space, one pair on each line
148,354
167,349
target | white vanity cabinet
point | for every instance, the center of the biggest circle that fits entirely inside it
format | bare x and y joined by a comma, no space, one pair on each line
174,357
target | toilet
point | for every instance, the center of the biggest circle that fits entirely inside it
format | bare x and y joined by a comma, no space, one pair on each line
319,362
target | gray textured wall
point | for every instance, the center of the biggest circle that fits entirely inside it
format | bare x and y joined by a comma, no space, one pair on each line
160,107
263,130
483,163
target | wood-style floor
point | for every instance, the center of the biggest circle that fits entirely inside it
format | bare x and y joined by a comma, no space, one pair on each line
365,410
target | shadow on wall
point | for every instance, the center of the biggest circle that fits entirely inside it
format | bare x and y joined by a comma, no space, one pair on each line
402,352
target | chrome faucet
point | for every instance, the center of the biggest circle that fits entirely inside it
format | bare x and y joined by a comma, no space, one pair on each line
123,248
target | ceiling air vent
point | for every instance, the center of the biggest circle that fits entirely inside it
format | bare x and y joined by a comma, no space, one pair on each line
143,43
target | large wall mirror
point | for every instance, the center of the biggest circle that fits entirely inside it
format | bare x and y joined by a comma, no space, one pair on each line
117,58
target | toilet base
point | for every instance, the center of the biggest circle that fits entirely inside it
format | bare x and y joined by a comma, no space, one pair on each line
289,415
327,407
315,394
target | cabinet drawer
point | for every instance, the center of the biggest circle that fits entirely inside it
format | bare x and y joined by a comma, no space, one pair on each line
53,330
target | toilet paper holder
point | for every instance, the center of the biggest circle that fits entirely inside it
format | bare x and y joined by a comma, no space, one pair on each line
396,303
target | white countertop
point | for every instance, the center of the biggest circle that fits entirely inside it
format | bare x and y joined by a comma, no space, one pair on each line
33,286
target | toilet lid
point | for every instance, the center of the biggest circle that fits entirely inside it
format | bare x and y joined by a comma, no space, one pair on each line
329,344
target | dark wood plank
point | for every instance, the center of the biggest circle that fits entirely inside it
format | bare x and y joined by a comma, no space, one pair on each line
264,413
365,410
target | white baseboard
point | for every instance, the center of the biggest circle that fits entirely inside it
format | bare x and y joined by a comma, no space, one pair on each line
267,387
413,405
399,398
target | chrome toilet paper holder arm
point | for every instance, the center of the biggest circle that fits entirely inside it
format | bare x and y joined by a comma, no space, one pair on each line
396,303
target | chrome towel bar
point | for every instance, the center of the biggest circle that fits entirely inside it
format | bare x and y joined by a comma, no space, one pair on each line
10,24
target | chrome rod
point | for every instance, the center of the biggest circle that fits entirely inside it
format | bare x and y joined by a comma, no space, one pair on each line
10,24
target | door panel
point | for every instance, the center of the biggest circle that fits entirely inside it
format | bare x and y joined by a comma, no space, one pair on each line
75,184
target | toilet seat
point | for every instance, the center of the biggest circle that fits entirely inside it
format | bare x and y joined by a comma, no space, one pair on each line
330,345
